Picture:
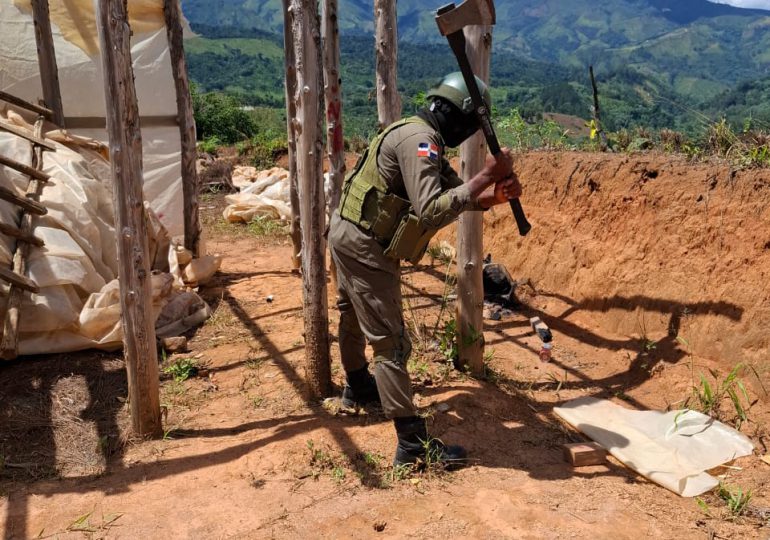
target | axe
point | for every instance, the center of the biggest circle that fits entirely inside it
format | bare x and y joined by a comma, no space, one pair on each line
451,20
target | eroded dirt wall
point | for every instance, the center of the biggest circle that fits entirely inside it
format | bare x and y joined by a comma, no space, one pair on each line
647,245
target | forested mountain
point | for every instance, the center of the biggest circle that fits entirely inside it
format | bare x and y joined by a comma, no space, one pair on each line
657,60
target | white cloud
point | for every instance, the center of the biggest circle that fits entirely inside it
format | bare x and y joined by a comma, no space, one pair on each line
761,4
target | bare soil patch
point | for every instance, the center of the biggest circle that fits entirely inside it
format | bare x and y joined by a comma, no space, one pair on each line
247,455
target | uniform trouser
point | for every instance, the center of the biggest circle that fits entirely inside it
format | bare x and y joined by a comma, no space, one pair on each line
369,302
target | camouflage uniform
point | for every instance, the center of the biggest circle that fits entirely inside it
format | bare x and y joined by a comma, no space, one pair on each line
412,164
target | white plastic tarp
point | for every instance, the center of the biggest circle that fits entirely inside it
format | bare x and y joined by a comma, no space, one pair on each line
82,88
673,449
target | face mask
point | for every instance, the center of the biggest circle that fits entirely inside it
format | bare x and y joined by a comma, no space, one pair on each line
455,127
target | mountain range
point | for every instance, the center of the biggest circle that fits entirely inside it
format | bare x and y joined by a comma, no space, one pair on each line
688,51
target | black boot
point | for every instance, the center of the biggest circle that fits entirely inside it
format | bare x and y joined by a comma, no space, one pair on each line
415,446
360,389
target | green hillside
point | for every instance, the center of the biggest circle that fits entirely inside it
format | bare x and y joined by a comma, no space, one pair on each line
660,63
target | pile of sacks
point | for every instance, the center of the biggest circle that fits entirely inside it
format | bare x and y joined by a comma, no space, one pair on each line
262,194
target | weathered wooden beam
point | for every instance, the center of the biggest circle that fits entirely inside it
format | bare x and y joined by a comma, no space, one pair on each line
46,59
24,169
133,259
26,134
9,346
28,205
308,125
37,109
18,234
335,141
22,282
190,183
290,68
386,62
470,238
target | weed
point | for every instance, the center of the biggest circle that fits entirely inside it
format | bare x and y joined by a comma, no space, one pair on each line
447,341
399,473
182,369
736,498
257,401
440,253
338,474
262,226
210,145
703,506
708,396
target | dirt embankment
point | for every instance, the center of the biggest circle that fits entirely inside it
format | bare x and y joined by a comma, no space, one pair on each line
649,246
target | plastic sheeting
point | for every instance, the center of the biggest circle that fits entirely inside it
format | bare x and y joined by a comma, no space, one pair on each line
82,87
78,306
673,449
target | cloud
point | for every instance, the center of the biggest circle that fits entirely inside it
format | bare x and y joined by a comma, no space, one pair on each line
761,4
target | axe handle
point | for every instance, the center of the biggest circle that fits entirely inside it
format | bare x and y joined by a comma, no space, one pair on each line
457,43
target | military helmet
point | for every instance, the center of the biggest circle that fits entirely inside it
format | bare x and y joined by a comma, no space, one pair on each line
453,89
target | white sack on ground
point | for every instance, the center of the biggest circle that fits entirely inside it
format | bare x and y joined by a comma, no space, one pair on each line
262,194
673,449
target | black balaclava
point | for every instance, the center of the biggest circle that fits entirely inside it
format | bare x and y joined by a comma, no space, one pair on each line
454,126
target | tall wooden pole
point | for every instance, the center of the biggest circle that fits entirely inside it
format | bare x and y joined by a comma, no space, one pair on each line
46,59
291,88
133,260
335,142
308,126
186,121
470,289
386,67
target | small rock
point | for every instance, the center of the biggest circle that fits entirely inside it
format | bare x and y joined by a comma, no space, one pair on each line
442,407
269,299
174,344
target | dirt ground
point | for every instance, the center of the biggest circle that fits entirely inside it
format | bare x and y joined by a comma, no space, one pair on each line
247,455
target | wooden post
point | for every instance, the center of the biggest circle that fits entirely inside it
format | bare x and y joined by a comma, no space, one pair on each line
130,226
597,115
46,59
386,47
308,125
335,142
186,121
291,88
470,290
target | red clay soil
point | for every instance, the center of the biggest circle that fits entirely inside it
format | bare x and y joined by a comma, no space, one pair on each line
626,254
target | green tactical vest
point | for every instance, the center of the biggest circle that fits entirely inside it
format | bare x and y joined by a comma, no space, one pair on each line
368,202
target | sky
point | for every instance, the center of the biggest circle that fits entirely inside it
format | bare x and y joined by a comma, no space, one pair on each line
762,4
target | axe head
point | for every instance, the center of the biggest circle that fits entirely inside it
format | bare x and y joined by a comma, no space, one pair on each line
451,18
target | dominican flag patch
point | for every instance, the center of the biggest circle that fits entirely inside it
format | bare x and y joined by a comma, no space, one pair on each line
428,150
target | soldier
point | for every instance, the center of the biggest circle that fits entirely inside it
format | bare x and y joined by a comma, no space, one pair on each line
401,192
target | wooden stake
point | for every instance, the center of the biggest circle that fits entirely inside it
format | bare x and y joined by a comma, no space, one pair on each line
9,347
186,121
470,238
291,113
24,169
46,59
33,207
335,141
26,134
43,111
308,125
597,115
133,260
386,49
